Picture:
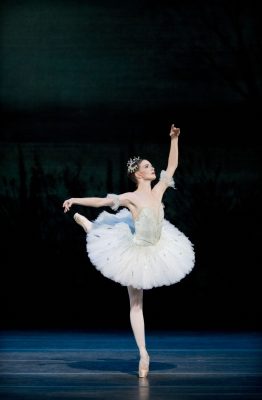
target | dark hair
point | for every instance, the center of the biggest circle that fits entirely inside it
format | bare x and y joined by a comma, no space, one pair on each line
131,175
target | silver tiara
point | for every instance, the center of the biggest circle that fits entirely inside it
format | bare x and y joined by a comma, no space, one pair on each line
132,164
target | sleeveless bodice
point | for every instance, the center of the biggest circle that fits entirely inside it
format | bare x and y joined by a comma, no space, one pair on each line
144,252
148,226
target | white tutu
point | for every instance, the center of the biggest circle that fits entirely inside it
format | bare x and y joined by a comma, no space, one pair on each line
145,253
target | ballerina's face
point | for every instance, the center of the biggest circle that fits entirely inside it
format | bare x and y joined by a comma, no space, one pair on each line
146,170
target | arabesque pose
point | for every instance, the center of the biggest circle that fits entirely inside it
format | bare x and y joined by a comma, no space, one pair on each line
137,247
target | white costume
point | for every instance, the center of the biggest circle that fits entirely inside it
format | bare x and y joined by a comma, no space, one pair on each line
145,253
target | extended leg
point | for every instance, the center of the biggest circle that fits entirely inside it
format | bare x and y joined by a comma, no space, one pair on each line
83,221
138,326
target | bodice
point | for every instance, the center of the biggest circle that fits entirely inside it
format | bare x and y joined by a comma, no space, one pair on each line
148,225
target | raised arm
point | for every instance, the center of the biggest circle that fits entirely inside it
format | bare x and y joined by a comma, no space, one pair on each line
173,153
166,178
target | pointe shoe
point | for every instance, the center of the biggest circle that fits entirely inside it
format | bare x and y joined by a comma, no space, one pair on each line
143,366
80,220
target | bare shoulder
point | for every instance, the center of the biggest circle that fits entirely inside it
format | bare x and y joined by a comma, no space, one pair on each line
165,180
127,199
127,195
159,188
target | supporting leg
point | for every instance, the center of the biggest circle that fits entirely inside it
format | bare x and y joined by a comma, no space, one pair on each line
138,327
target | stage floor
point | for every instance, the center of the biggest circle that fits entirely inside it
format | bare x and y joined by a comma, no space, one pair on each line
103,365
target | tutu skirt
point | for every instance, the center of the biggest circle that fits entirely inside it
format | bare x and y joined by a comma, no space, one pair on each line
113,250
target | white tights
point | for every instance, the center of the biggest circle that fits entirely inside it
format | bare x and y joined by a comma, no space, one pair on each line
135,298
137,318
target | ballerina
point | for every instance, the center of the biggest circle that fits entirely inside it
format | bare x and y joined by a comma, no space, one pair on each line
137,247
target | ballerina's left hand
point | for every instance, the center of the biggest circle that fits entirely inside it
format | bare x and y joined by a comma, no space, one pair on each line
174,132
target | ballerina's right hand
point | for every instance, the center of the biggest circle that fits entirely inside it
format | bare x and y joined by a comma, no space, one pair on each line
67,204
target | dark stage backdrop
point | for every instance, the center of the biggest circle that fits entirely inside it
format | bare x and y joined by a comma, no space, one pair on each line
85,85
